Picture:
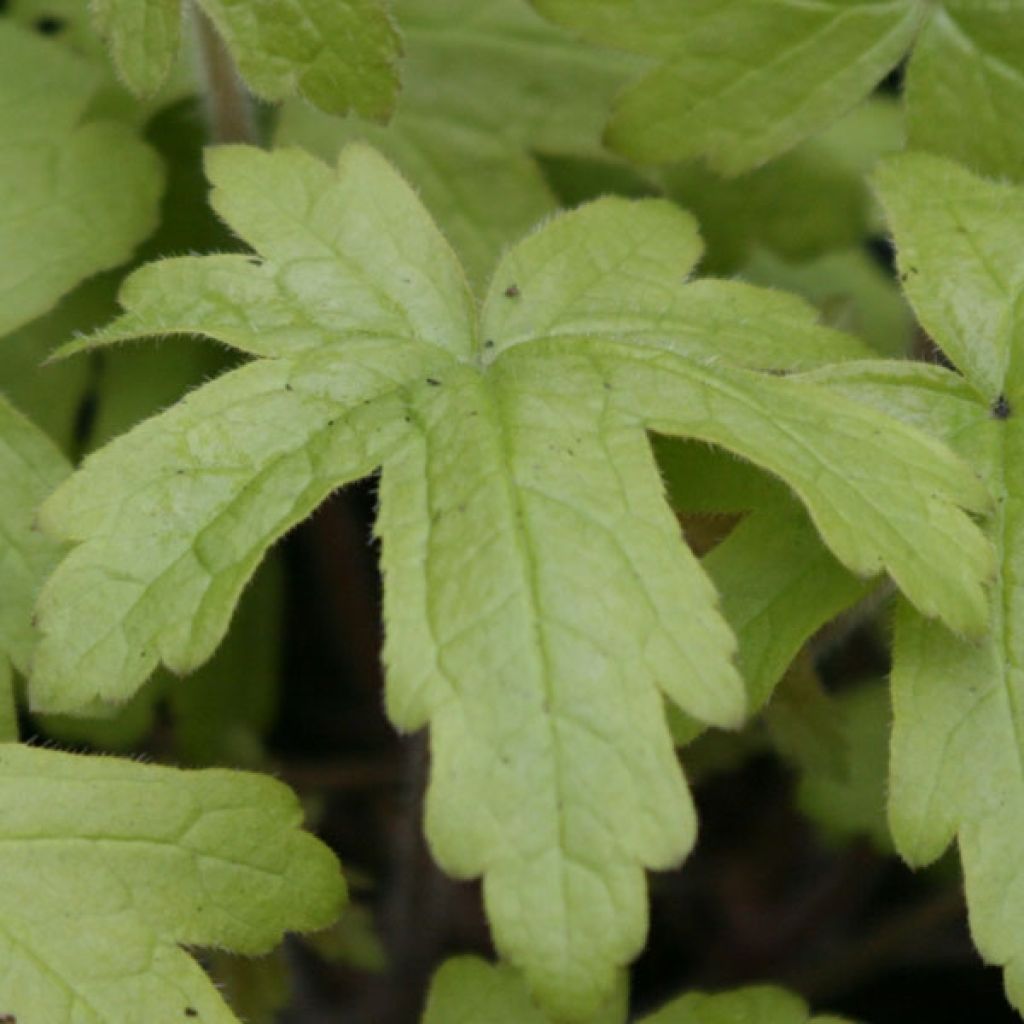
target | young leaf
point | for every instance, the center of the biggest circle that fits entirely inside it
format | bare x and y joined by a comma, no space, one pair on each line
957,749
339,54
528,553
111,867
76,195
740,83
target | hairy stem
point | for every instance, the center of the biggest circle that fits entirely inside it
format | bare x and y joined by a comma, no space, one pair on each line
229,108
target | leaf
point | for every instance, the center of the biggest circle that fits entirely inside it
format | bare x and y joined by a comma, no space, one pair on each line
76,196
756,1004
338,54
144,860
741,82
30,467
779,586
528,552
853,293
8,710
468,990
853,804
965,86
486,84
956,747
807,202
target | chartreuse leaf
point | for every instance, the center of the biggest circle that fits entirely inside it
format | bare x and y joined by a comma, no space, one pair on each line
757,1004
75,198
539,601
338,54
30,467
957,755
110,867
741,82
467,990
486,83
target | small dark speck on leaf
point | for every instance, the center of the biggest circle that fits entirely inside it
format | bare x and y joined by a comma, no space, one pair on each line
433,382
49,25
512,292
1001,408
288,387
489,343
191,1011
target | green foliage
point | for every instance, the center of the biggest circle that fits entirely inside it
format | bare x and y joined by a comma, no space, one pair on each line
620,505
339,55
146,859
484,83
741,83
504,433
76,194
956,760
467,990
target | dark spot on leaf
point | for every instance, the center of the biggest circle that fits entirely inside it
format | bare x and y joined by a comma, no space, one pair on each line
255,261
607,386
433,382
49,25
288,386
512,292
191,1011
1001,408
489,343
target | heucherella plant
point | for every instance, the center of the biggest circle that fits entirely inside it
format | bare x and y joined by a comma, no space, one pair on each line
528,553
654,547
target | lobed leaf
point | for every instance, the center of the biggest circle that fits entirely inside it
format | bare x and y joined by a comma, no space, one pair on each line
145,860
538,598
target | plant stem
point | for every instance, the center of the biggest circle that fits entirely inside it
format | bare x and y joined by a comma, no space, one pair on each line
229,108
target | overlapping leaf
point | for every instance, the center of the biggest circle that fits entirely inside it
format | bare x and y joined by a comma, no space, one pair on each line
467,990
339,54
486,83
110,867
76,196
539,600
957,753
741,82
